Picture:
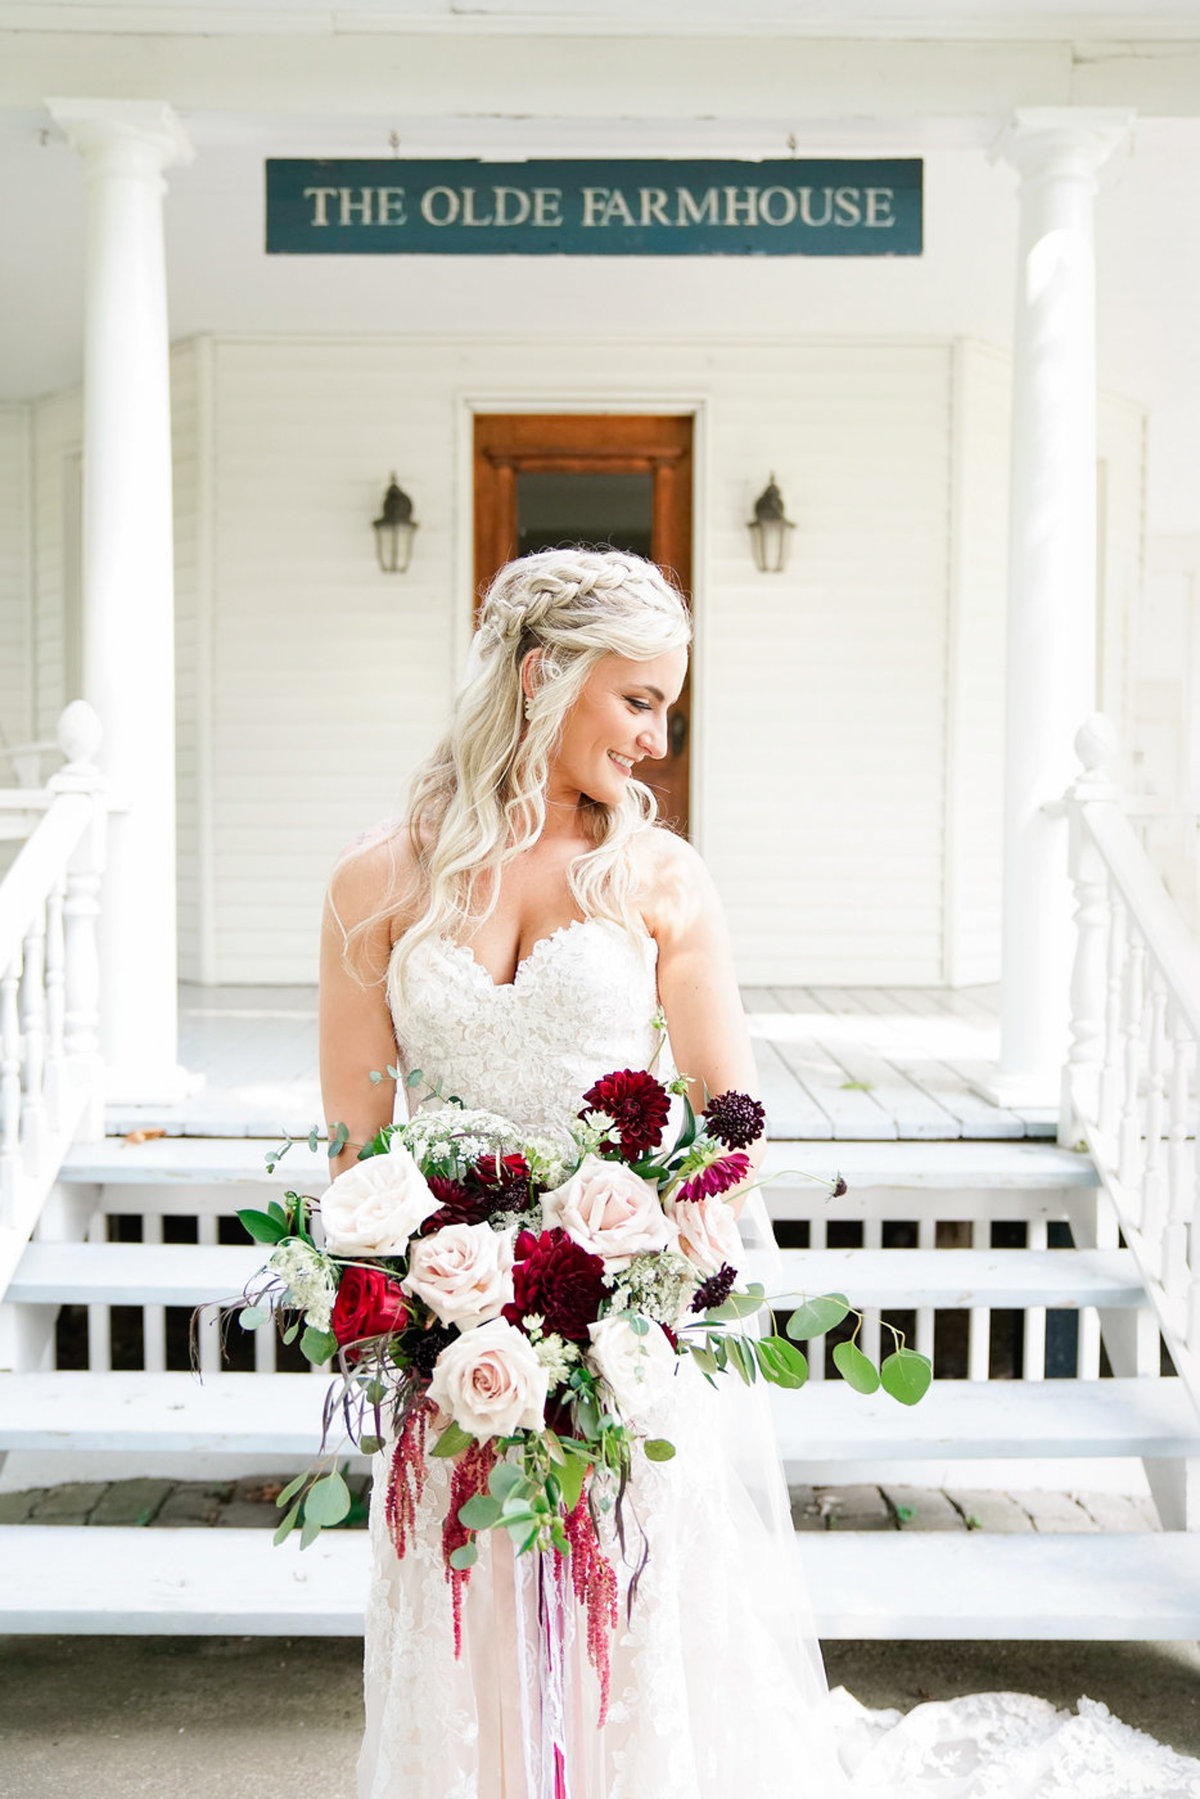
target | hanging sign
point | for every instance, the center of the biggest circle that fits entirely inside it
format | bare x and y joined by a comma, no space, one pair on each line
603,208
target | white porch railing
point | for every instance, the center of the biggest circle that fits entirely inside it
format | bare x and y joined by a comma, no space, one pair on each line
1129,1088
50,1065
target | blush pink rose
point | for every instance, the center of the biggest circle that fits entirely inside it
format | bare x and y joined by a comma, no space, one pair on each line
490,1382
708,1232
609,1210
463,1273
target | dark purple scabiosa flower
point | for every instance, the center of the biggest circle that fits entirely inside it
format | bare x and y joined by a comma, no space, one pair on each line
735,1119
715,1290
637,1104
718,1177
428,1346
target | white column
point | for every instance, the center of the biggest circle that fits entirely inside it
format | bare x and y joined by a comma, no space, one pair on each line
128,580
1051,658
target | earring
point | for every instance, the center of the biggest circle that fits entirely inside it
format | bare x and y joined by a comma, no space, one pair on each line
528,705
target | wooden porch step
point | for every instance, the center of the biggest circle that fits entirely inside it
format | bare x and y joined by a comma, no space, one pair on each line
980,1165
1018,1420
188,1273
95,1580
279,1415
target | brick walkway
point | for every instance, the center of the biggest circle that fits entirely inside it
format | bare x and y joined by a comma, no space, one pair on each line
250,1502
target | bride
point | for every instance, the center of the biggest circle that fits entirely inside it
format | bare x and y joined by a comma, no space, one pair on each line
512,942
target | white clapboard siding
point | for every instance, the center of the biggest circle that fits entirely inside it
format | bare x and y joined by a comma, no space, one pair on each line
323,664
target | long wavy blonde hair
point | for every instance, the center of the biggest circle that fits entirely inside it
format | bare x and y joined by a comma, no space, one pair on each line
480,799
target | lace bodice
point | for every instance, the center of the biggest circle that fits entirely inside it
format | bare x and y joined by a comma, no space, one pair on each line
580,1005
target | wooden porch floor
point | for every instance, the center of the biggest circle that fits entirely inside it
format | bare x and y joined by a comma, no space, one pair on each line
845,1063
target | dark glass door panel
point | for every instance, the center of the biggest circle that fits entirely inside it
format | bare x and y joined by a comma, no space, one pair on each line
600,510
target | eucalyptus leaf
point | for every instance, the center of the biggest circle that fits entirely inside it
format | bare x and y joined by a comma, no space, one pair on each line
250,1317
287,1524
310,1532
856,1369
505,1479
370,1445
318,1346
659,1450
742,1360
452,1441
313,1140
702,1354
817,1316
906,1376
291,1331
292,1488
587,1415
465,1556
480,1512
327,1501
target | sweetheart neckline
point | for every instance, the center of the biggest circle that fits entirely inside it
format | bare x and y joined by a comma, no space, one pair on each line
538,950
464,949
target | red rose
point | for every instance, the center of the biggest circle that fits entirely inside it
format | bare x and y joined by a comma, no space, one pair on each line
637,1104
559,1281
368,1304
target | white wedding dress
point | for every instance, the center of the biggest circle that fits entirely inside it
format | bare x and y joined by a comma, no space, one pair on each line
717,1683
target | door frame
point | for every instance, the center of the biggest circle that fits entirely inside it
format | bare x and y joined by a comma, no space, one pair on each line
693,406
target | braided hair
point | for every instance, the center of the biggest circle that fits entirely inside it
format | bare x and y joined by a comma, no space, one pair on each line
480,798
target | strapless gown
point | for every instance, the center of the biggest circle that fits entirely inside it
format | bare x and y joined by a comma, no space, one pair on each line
717,1684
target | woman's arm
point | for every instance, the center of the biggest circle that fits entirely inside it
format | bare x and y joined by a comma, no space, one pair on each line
356,1033
696,980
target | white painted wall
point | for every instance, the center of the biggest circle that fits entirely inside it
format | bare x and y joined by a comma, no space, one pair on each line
848,744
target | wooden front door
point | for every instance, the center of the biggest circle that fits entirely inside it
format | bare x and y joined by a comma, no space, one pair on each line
611,481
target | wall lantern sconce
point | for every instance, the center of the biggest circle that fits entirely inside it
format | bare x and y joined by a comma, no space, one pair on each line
394,530
769,530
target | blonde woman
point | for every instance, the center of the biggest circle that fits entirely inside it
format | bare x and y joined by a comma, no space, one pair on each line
514,938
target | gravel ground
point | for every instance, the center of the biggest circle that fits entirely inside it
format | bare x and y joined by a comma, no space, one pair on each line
256,1718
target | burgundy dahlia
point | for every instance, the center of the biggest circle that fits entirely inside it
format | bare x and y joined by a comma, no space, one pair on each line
460,1204
718,1177
715,1290
559,1281
506,1179
638,1106
735,1119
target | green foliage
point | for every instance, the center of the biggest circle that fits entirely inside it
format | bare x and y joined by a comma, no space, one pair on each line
906,1376
780,1362
317,1346
250,1317
816,1316
480,1512
659,1450
465,1556
327,1501
262,1227
452,1441
856,1369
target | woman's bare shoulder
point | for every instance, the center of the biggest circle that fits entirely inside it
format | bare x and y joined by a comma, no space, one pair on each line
377,873
671,877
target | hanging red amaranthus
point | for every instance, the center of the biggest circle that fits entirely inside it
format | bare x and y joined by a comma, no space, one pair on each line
406,1483
471,1471
594,1582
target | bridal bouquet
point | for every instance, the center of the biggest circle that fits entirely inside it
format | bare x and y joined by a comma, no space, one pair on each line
520,1311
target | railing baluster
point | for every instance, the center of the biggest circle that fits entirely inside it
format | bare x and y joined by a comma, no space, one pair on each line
979,1318
154,1317
1130,1151
1154,1173
34,1123
1181,1152
56,1065
815,1351
1111,1081
10,1090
